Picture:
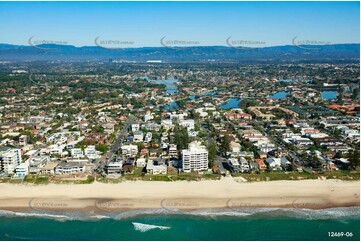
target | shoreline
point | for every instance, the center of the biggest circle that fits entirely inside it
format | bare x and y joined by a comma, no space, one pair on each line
181,196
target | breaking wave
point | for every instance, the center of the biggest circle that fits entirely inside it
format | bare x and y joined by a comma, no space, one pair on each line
330,213
146,227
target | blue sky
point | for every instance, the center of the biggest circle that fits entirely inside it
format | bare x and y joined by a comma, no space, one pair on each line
209,23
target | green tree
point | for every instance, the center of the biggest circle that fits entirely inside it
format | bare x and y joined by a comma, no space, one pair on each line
226,144
102,148
212,153
181,137
98,128
315,162
354,158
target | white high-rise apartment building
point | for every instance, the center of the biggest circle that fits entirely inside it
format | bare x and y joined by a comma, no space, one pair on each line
195,157
10,159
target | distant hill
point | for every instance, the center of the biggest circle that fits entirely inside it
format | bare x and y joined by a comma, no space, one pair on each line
288,53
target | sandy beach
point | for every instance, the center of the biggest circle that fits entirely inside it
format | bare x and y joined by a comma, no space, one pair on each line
182,195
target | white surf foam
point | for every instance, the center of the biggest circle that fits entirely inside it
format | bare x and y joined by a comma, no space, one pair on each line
146,227
218,212
32,214
56,216
330,213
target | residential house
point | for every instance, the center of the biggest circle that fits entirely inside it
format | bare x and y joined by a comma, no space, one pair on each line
172,150
261,165
23,140
77,153
135,127
129,150
156,169
49,168
71,167
244,164
277,163
114,167
36,163
91,152
234,165
21,170
148,137
141,162
138,136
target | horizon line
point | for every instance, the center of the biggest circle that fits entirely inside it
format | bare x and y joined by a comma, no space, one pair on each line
182,47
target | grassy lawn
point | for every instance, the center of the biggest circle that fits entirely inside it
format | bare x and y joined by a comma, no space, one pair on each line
109,180
193,176
9,180
137,176
275,176
44,179
89,180
36,179
156,178
343,175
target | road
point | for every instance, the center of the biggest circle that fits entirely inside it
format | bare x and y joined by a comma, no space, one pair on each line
100,162
219,161
296,158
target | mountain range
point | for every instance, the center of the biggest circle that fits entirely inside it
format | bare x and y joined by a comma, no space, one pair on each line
287,53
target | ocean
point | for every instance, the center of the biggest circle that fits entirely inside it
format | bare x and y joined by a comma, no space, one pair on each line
243,224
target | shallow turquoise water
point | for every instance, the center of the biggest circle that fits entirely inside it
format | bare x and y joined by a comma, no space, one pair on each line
232,103
274,224
329,95
279,95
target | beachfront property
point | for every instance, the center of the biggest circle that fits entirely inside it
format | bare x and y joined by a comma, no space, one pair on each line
37,163
154,168
244,164
114,167
234,165
277,163
10,158
195,158
70,168
261,165
141,162
49,168
21,170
